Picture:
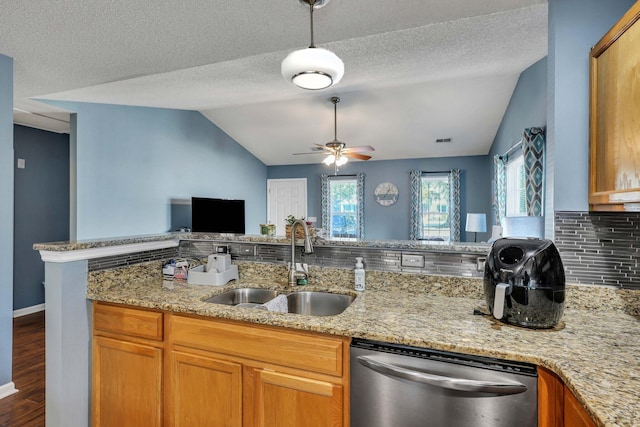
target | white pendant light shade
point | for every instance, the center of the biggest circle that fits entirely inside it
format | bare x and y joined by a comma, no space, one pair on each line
312,68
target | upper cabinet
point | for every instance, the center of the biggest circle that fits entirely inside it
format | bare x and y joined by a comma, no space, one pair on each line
614,146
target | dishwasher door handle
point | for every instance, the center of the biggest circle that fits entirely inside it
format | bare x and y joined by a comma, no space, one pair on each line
451,383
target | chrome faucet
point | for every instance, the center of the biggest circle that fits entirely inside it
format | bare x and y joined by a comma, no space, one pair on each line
294,272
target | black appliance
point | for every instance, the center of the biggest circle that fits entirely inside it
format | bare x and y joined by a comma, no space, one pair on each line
524,282
217,215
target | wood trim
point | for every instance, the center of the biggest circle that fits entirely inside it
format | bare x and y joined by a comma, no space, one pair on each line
550,399
575,415
627,20
128,321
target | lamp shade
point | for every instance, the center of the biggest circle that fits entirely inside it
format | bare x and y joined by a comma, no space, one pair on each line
476,222
312,68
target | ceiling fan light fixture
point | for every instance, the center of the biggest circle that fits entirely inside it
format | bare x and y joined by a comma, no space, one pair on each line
329,159
312,68
342,160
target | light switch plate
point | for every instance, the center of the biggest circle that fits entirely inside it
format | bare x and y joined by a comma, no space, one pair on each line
21,163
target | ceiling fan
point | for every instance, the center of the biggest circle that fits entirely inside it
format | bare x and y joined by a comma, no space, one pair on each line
338,152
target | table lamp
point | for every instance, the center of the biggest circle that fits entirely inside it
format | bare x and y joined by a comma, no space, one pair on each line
476,223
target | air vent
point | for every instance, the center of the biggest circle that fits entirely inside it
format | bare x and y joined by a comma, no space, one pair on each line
442,140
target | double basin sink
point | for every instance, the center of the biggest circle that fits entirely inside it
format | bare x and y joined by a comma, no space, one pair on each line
298,302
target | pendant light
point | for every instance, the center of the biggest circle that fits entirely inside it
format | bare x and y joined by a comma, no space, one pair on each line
312,68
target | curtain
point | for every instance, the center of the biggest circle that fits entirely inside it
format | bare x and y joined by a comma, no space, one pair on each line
500,195
454,196
415,222
533,143
325,206
360,178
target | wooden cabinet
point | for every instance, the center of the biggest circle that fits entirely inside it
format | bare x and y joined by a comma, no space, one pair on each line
289,378
204,391
557,406
614,129
152,369
127,367
290,400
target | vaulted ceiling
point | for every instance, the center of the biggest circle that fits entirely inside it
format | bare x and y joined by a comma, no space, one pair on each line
415,70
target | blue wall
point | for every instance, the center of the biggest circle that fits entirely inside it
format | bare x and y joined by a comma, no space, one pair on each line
527,108
6,217
132,161
574,27
41,206
393,222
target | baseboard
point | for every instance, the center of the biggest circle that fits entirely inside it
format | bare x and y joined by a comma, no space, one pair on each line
28,310
7,390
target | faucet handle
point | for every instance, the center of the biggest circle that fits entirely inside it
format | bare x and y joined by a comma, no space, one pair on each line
303,267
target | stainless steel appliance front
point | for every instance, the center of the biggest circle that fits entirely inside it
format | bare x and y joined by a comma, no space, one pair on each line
401,386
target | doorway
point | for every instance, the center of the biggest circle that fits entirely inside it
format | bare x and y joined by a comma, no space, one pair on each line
285,197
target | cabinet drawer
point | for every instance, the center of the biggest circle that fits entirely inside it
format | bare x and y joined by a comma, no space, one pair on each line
128,321
314,353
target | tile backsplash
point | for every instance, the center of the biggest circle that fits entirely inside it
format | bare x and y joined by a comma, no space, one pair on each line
597,248
600,248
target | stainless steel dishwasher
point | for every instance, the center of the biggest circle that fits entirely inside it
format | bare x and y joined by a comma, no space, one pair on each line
400,386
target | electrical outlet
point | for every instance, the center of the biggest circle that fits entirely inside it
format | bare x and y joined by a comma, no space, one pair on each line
221,249
407,260
480,261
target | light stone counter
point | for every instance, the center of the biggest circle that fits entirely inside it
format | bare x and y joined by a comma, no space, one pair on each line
317,241
595,349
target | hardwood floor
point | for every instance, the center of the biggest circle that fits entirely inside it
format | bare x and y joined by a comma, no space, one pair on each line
26,407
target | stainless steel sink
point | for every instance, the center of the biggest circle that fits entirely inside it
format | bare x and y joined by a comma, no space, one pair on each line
244,296
318,303
299,302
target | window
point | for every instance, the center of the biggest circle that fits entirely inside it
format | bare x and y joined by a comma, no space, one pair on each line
342,206
516,186
435,206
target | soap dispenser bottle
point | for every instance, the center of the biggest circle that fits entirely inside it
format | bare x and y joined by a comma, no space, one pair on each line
359,275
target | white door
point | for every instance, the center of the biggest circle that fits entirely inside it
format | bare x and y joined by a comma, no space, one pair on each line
285,197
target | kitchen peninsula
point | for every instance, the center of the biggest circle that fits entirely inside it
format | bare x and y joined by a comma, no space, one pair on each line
594,351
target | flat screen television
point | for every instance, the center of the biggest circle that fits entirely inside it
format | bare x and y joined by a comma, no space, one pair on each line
217,215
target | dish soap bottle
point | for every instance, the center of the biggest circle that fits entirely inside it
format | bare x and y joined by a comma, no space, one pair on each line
359,275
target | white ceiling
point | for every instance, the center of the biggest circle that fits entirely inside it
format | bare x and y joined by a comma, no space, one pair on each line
415,70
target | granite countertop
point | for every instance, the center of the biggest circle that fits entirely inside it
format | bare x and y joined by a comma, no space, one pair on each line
75,245
596,351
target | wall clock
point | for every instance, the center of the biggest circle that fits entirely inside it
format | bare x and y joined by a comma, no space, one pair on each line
386,194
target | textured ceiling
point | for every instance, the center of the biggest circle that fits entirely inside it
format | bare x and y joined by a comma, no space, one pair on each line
415,70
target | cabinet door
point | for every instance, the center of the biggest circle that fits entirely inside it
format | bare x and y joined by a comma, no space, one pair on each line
204,391
550,399
283,400
127,384
574,414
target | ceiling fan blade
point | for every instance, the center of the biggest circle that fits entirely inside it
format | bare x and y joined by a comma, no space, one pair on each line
311,152
356,156
360,149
